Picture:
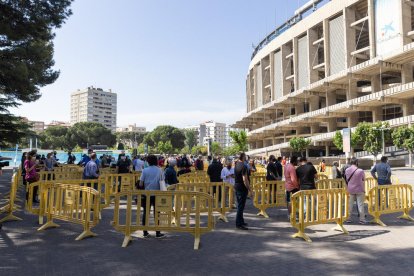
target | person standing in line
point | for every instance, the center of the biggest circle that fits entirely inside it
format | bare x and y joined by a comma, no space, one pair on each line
306,174
355,178
150,180
336,173
272,170
91,168
49,162
227,173
383,172
242,187
138,164
170,174
291,182
198,164
71,158
214,170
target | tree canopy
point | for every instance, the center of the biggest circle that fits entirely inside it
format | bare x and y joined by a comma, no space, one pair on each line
239,139
299,144
164,134
26,50
87,133
190,138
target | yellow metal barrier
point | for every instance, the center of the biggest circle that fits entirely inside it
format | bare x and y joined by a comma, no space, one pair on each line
260,174
321,176
46,175
119,182
222,195
68,168
395,180
11,206
104,189
369,183
268,194
187,209
331,184
387,199
71,203
319,207
254,179
193,179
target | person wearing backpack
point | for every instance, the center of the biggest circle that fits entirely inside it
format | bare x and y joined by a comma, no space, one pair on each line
272,170
355,177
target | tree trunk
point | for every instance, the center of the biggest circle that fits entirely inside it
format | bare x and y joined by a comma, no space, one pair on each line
410,158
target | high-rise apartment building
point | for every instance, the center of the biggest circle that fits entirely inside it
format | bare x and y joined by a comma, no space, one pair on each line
216,131
94,105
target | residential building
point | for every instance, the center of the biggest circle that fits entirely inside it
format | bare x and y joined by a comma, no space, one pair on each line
58,123
94,105
216,131
330,68
132,128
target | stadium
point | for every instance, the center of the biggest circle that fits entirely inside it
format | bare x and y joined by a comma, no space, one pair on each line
332,65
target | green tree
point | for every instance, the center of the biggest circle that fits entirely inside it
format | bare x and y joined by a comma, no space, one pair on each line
56,137
338,140
231,151
87,133
299,144
369,135
164,134
216,148
129,138
197,150
190,138
403,137
239,139
121,146
26,50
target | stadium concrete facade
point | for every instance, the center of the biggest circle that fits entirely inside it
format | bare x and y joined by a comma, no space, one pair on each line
344,63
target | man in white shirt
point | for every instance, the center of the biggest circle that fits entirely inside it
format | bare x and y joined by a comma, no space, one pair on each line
227,173
138,164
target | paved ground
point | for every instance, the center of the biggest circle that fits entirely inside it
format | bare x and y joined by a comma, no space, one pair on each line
265,249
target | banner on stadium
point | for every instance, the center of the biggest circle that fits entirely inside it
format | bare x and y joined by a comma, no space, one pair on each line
387,25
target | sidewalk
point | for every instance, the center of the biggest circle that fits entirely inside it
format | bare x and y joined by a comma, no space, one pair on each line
266,249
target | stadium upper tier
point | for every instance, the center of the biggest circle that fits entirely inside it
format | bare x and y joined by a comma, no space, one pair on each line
347,62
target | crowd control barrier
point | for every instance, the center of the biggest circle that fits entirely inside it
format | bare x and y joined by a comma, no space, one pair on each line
193,179
336,183
222,195
53,175
73,204
254,179
321,176
119,182
68,168
387,199
104,189
10,204
187,211
369,183
268,194
318,207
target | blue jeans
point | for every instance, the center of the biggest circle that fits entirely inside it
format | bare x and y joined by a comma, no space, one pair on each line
241,202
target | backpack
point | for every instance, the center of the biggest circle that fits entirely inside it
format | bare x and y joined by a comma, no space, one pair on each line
338,173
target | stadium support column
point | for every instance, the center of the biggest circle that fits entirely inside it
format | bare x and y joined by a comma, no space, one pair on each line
407,107
350,34
377,114
352,119
295,62
326,48
285,69
405,21
407,73
371,21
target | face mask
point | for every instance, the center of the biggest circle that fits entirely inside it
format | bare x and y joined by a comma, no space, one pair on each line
229,167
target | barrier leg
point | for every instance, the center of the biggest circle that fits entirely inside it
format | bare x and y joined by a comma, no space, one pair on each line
377,220
301,233
223,216
263,213
49,224
126,241
196,241
10,217
406,216
85,234
339,227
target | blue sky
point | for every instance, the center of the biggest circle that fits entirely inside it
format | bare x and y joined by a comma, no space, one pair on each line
171,62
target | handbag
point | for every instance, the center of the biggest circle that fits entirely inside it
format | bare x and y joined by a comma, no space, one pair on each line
163,186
